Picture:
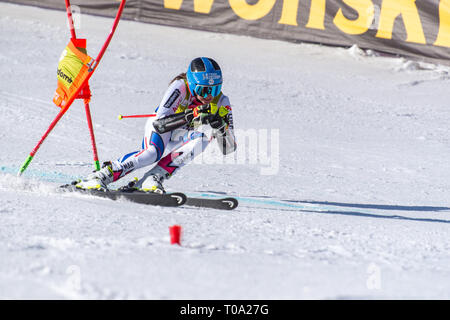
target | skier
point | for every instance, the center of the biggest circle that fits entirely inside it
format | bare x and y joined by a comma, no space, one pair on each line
192,112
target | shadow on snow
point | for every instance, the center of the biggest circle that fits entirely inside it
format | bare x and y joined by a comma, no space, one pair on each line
374,206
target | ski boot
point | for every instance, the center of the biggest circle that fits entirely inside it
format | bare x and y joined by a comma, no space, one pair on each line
153,184
98,180
152,180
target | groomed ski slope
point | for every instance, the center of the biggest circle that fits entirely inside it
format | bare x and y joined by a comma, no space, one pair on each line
352,201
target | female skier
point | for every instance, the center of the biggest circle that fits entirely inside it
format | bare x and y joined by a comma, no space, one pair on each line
192,112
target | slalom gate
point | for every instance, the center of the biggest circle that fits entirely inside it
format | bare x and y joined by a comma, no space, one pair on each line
75,68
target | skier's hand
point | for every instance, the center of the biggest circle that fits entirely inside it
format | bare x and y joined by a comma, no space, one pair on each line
216,121
201,115
218,117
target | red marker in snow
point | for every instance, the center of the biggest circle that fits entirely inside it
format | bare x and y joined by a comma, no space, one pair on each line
175,234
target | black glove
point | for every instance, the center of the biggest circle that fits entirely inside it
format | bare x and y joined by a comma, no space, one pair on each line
216,121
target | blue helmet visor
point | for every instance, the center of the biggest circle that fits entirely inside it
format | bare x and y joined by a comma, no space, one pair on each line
205,91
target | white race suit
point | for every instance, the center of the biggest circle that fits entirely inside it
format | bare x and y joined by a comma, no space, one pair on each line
174,149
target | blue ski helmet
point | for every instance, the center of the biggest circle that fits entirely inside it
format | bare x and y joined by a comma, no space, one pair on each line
204,77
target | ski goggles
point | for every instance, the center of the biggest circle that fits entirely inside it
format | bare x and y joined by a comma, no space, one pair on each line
205,91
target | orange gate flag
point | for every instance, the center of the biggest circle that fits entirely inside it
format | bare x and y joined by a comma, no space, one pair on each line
74,68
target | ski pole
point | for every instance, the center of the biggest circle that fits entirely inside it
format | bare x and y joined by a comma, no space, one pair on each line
86,101
137,116
113,30
69,16
91,132
36,148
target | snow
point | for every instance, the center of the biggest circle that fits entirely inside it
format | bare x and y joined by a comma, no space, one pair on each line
347,196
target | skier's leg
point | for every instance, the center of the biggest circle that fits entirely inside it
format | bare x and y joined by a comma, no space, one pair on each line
192,144
153,147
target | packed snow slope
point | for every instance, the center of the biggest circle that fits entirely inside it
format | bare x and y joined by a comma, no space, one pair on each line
346,197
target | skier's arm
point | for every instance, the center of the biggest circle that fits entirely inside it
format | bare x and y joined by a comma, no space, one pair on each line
221,120
172,122
166,118
171,100
225,135
224,127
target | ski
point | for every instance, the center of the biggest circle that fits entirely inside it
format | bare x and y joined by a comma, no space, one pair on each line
214,203
173,199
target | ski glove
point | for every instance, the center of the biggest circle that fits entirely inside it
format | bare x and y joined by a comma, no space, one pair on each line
216,122
203,115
